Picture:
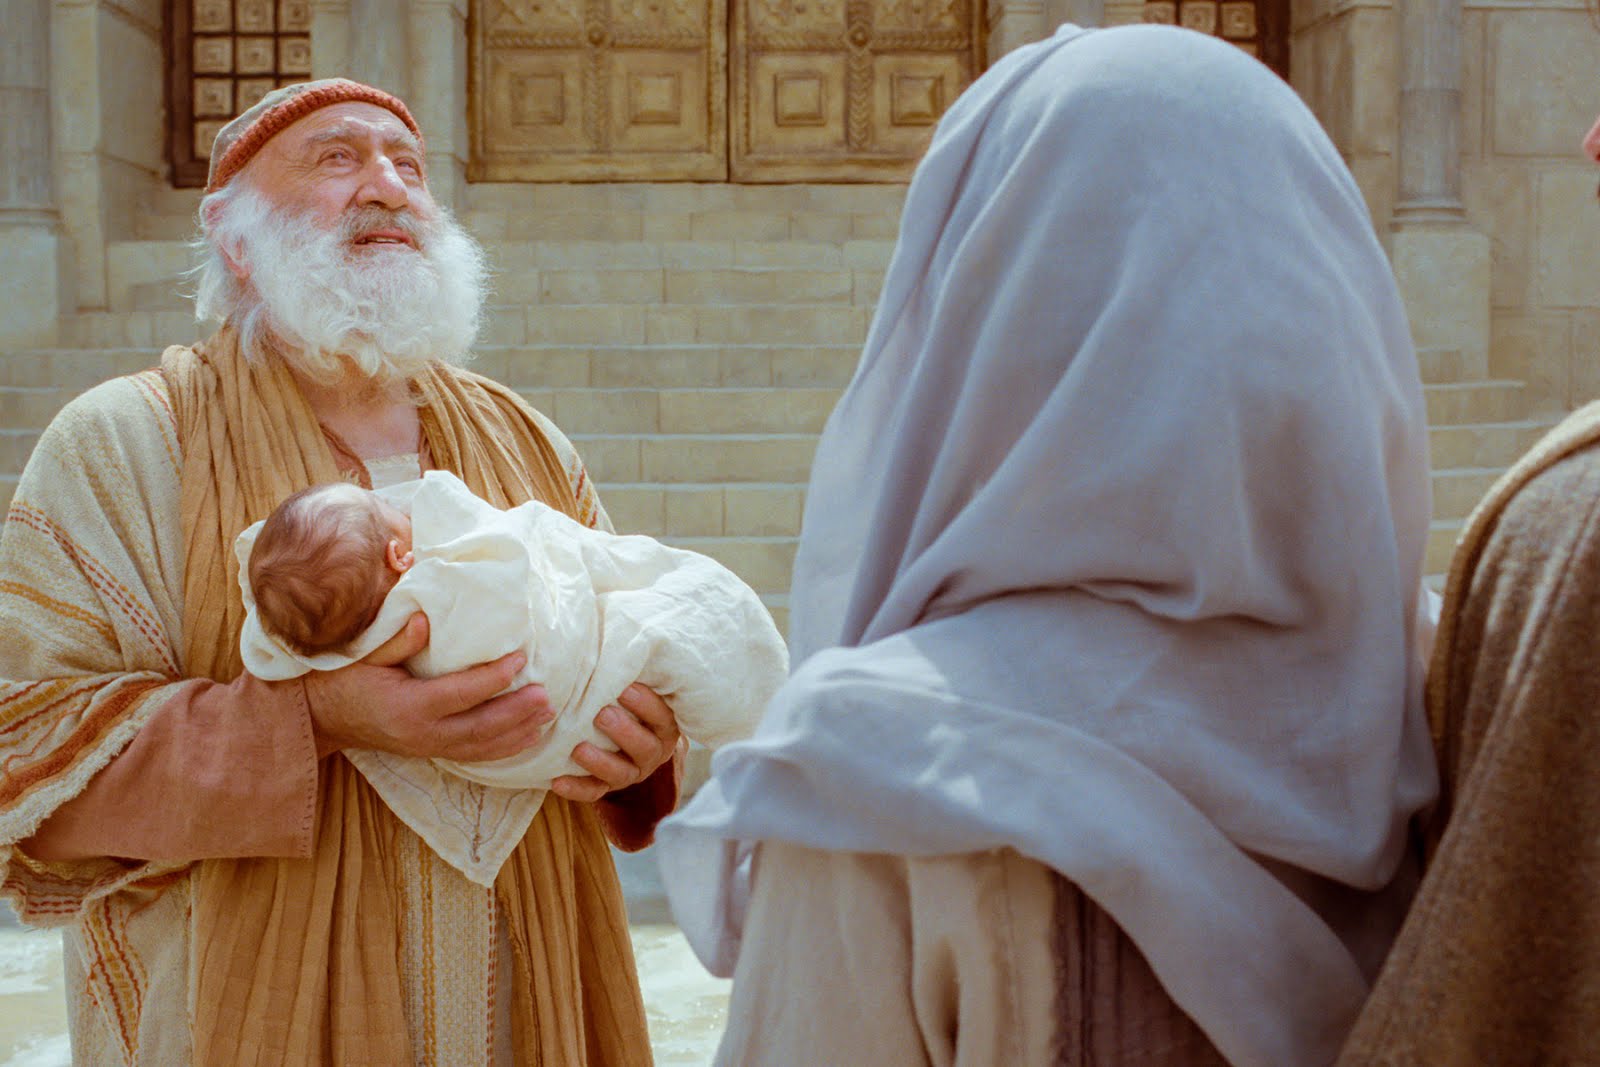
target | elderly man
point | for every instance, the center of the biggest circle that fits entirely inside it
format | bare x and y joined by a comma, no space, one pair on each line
232,889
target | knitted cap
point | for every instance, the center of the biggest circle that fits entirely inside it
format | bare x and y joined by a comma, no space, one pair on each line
239,141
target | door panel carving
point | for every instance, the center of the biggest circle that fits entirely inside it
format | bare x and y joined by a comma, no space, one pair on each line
662,90
599,90
844,90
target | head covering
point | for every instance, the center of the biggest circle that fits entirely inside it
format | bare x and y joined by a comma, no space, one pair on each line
239,141
1113,546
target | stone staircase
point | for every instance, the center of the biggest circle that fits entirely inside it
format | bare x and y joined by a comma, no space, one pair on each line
691,339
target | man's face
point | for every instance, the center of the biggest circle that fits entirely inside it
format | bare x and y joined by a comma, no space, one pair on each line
342,158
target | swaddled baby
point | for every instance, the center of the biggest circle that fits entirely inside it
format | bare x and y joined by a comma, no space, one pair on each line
337,570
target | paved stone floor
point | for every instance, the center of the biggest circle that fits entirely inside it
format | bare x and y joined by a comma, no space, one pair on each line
686,1006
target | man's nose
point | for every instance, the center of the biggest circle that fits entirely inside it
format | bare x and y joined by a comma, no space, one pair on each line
384,185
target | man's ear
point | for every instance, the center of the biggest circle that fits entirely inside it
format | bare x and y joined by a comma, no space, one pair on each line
232,251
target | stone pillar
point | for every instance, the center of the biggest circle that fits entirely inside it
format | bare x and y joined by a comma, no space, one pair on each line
438,65
30,241
1013,23
1440,260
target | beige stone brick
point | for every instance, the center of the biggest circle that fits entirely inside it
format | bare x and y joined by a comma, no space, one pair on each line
1542,67
738,226
757,286
1492,401
609,458
765,564
519,287
576,226
619,411
1584,360
667,227
693,511
808,255
1442,538
8,489
15,447
696,255
815,226
1499,202
504,326
1457,492
595,255
1534,350
669,325
1371,64
745,411
558,197
1489,445
1376,177
682,198
763,510
1474,92
655,367
780,617
635,509
586,324
866,286
875,226
745,366
1444,365
548,367
780,199
486,225
680,458
130,264
1567,256
600,286
868,255
499,197
817,365
801,324
30,409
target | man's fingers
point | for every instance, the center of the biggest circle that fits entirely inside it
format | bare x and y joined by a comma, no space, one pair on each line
412,638
636,740
502,727
649,709
466,689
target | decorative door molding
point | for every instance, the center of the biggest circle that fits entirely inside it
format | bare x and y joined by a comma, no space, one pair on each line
1259,27
598,90
845,90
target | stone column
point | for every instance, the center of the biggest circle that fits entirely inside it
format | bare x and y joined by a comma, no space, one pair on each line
439,93
1440,260
30,241
1013,23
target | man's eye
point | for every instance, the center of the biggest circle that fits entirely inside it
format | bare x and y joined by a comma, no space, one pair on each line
338,155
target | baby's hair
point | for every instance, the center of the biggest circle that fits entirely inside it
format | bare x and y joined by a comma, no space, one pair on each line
315,567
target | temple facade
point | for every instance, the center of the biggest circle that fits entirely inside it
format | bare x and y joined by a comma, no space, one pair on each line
690,203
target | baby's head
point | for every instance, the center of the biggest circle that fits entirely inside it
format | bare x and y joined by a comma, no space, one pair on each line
323,562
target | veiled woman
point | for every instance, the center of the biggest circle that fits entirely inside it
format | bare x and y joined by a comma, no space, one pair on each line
1105,726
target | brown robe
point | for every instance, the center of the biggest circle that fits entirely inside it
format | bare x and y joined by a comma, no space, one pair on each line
1499,960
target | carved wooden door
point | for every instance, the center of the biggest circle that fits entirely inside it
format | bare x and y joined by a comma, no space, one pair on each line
599,90
844,90
820,90
1259,27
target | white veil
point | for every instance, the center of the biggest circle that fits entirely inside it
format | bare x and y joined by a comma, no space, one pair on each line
1112,549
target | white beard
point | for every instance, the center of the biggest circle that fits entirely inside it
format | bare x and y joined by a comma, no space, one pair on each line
321,302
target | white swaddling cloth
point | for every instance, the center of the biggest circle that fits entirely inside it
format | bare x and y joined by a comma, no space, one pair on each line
592,611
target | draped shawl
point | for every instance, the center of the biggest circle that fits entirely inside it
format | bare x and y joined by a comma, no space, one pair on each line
1112,547
297,961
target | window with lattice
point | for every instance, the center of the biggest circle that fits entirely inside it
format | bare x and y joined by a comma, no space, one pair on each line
222,57
1259,27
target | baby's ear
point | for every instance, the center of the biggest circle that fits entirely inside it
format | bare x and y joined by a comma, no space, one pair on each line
398,561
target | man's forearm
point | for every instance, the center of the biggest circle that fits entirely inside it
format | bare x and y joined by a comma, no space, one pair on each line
218,770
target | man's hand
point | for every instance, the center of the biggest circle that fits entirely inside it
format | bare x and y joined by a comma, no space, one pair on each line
377,704
647,735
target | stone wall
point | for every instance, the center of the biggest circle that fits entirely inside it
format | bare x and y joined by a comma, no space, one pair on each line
1530,94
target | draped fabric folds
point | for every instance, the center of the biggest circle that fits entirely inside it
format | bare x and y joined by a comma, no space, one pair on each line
296,961
1113,546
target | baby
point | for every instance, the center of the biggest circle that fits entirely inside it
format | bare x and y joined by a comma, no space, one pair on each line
324,561
337,570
